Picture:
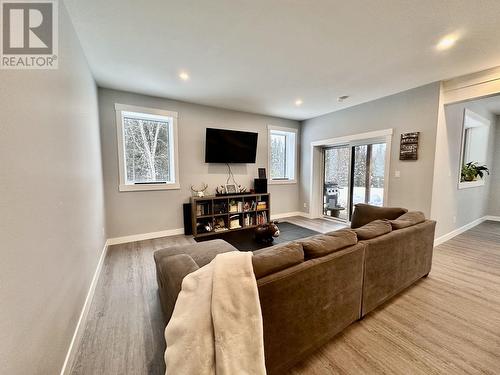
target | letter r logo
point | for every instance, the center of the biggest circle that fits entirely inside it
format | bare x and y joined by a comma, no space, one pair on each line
27,28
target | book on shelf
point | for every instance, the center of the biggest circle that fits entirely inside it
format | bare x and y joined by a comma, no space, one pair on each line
261,205
248,220
202,209
262,218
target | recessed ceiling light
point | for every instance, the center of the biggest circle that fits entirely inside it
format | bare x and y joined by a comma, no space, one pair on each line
298,102
184,76
340,99
446,42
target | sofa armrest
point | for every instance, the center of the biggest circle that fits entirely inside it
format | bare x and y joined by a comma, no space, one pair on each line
170,271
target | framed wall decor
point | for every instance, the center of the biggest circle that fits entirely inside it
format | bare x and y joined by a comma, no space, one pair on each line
262,172
408,149
231,189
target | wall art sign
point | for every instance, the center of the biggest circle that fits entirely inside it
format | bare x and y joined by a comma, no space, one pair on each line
408,149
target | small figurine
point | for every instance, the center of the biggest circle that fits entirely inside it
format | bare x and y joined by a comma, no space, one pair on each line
201,192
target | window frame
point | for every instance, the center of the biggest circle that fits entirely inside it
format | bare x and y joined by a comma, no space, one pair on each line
123,186
292,154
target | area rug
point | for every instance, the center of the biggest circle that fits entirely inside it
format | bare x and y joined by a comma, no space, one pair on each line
244,240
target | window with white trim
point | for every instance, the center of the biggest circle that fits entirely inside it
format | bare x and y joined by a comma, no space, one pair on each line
282,154
147,148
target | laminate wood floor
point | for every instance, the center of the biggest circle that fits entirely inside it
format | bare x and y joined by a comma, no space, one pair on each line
448,323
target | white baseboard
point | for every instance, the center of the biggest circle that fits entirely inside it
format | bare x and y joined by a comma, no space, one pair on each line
284,215
289,214
456,232
492,218
145,236
80,325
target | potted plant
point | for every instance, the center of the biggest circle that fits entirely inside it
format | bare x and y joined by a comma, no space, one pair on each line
472,171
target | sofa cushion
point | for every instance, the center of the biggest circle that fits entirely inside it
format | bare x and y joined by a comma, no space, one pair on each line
408,219
201,252
324,244
365,213
374,229
276,258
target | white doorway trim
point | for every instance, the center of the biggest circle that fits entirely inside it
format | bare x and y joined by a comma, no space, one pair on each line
315,197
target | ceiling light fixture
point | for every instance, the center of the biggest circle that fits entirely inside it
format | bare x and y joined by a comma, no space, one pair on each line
184,76
340,99
298,102
446,42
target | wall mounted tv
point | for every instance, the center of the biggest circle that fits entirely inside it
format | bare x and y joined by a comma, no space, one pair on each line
230,146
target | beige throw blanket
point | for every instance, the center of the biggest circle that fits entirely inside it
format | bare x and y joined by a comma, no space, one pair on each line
216,326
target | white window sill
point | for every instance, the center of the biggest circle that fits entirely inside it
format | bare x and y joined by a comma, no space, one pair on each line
146,187
281,182
470,184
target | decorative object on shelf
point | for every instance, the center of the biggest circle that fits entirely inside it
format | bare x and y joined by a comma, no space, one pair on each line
233,206
220,190
220,207
199,192
473,171
408,149
266,233
220,225
231,189
234,222
262,172
242,189
262,205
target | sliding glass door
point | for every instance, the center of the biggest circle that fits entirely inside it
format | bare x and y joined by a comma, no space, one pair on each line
336,182
353,174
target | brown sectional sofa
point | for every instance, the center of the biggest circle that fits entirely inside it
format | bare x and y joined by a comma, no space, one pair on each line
313,288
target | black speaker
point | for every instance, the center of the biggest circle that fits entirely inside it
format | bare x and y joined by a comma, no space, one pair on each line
188,224
260,185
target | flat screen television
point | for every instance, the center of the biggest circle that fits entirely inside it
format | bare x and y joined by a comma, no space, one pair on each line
230,146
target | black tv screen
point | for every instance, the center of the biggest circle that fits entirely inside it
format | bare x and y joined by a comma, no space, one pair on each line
230,146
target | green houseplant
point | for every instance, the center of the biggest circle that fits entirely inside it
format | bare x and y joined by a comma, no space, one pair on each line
472,170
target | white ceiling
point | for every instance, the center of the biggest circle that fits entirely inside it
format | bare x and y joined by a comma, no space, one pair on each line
261,55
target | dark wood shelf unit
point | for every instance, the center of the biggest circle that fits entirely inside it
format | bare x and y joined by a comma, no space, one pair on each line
210,207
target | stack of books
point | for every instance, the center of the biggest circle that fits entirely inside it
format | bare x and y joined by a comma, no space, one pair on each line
262,218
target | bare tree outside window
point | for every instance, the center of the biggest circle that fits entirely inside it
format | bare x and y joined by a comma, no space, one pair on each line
337,165
278,156
147,150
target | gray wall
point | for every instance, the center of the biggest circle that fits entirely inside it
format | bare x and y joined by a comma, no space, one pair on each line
51,204
136,212
494,202
453,207
409,111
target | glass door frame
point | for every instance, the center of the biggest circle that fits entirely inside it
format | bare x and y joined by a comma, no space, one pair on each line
352,145
349,188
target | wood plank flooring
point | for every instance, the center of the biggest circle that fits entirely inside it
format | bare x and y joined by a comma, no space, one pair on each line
448,323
